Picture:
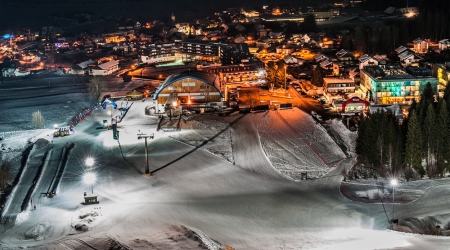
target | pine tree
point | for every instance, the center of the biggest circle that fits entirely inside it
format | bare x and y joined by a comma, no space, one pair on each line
442,137
271,72
413,146
429,139
386,40
391,138
360,40
374,40
317,77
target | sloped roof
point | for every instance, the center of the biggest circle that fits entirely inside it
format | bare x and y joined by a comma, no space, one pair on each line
208,78
400,49
290,59
405,55
85,64
325,63
107,65
134,93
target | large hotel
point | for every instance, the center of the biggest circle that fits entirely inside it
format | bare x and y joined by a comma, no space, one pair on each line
392,85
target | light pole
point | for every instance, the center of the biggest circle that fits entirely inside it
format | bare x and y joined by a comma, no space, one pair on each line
151,136
393,183
285,78
89,178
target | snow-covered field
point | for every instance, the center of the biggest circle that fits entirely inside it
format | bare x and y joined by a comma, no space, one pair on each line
219,181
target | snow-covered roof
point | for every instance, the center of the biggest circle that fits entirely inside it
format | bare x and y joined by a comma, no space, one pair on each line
406,54
325,63
290,59
400,49
108,64
85,64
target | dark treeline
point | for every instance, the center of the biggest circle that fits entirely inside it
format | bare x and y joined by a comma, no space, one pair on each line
419,146
431,23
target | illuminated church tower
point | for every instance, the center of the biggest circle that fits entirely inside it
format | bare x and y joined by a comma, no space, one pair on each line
172,17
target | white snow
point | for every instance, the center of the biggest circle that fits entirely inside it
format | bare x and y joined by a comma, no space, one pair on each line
241,189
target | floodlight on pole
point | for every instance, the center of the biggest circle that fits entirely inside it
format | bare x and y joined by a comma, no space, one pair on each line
89,178
145,136
89,161
394,183
55,126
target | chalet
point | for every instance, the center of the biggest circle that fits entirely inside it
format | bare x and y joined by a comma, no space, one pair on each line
420,46
366,60
444,44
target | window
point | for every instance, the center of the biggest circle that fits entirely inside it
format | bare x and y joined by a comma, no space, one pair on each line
203,86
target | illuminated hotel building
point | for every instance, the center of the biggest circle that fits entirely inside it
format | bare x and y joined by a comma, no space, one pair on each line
395,84
442,72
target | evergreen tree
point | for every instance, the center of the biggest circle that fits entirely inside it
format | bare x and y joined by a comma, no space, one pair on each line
413,146
271,70
374,41
429,139
360,41
309,24
280,74
391,138
442,137
317,76
395,38
386,40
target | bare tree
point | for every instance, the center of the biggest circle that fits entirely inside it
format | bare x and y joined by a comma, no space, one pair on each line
95,87
38,119
5,174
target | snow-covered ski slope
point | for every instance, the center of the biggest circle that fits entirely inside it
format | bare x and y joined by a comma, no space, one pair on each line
251,204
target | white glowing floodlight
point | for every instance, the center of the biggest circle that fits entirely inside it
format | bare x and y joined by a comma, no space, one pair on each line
394,182
174,104
55,125
89,178
89,161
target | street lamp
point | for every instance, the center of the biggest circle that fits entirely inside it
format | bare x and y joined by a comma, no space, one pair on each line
393,183
89,178
285,79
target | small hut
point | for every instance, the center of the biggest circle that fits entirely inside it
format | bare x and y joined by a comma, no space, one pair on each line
134,94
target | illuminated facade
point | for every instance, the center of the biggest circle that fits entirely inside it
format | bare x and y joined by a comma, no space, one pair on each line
442,72
394,84
194,89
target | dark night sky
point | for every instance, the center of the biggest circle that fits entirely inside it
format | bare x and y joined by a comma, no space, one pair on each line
35,13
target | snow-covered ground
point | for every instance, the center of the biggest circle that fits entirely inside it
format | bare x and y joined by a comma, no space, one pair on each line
220,181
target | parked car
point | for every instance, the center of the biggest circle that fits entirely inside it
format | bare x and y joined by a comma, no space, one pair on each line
316,116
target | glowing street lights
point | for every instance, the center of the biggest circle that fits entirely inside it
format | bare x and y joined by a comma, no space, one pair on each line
393,183
89,179
285,78
89,161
